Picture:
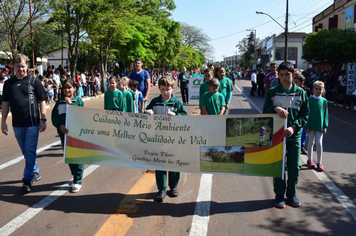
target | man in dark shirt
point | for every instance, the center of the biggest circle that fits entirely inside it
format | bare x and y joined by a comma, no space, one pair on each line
183,80
26,97
261,83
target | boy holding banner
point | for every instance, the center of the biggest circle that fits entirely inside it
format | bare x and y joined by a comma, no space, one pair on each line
290,102
166,104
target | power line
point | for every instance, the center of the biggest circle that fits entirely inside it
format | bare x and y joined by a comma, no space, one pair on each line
243,30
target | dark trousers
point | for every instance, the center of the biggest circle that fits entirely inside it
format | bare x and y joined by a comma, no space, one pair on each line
294,164
261,90
185,94
253,89
161,179
76,170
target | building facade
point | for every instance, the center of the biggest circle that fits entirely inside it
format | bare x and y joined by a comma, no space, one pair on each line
341,14
271,49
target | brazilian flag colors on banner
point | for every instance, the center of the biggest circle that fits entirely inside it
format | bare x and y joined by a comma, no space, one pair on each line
231,144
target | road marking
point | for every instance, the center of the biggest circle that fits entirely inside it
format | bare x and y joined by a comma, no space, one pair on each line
20,158
342,121
202,207
119,224
338,193
252,103
16,223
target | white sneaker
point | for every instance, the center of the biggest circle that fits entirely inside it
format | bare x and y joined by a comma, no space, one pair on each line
75,188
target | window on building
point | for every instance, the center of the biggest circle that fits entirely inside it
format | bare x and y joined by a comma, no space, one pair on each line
333,22
292,54
318,27
279,54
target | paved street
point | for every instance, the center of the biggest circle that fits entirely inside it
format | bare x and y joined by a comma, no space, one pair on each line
207,205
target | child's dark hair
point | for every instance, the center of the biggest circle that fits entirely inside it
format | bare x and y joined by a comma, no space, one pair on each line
2,78
214,82
286,66
299,76
166,81
69,81
134,83
207,70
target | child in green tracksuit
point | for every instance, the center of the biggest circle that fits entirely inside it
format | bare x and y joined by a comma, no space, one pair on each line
213,102
113,97
290,102
317,124
123,84
204,87
166,104
58,120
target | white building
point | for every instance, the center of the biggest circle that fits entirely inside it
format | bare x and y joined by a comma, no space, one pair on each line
272,49
55,57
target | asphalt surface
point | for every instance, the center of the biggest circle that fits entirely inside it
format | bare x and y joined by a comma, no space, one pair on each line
238,205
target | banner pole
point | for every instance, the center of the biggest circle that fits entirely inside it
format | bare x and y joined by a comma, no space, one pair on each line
284,151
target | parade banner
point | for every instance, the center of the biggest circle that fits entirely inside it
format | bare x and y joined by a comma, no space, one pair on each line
230,144
194,86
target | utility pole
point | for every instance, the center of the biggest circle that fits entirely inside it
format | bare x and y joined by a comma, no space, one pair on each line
33,48
286,36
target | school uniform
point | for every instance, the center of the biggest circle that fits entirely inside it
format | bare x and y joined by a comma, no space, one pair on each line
160,107
213,102
58,119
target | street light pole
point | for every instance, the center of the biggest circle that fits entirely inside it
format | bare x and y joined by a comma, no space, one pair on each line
285,30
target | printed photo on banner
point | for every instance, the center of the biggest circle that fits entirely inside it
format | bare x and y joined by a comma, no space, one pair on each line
225,159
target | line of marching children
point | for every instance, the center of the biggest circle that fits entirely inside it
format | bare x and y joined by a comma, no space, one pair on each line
215,97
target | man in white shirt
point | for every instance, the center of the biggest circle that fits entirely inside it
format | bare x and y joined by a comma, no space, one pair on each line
56,84
83,78
253,83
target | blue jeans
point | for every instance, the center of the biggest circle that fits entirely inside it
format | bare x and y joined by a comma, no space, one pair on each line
27,138
304,137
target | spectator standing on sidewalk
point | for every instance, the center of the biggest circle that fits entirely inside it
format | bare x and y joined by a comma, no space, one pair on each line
261,83
27,99
253,83
183,83
271,76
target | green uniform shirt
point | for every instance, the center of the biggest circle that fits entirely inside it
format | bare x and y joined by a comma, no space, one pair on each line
113,100
225,87
128,101
204,87
318,117
295,100
213,102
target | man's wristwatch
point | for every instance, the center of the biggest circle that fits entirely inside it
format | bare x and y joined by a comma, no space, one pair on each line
43,119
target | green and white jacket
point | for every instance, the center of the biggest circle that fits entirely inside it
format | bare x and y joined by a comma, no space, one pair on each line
162,108
295,101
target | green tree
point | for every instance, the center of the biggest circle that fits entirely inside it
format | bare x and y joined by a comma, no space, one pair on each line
15,19
71,15
337,46
44,40
107,20
196,38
